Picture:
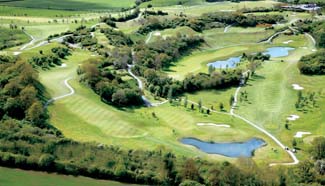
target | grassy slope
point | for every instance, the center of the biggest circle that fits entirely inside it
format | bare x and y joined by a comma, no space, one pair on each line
16,177
272,98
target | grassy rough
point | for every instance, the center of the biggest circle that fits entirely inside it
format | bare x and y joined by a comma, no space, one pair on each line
17,177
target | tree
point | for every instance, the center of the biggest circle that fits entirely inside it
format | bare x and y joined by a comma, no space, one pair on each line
35,113
208,111
294,143
192,106
190,171
318,148
305,172
211,69
221,107
231,100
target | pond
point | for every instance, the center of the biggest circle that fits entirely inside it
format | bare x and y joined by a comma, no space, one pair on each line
278,51
233,61
233,149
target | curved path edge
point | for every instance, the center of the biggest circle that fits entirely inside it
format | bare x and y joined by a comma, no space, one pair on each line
292,155
71,92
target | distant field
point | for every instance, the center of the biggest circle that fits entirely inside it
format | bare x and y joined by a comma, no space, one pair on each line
17,177
71,4
23,11
10,38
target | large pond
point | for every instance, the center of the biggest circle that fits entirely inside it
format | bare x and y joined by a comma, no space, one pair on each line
233,149
232,62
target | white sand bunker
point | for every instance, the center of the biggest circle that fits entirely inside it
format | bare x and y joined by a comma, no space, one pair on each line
16,53
304,48
293,117
287,42
213,124
314,50
63,65
300,134
157,34
297,87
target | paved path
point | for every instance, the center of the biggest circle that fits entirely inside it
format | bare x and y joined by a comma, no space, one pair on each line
30,43
227,28
140,85
148,39
71,92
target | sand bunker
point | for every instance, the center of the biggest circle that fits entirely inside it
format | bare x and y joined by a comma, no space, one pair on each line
213,124
16,53
297,87
287,42
63,65
300,134
293,117
157,34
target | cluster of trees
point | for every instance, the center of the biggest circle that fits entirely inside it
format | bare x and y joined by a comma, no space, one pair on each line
161,53
19,92
83,36
305,101
116,38
209,20
49,60
107,83
152,12
317,30
313,64
241,19
132,14
111,21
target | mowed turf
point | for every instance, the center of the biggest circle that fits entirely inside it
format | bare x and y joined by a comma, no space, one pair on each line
84,117
70,4
271,97
17,177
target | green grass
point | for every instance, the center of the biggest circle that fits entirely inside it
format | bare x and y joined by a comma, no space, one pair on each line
17,177
197,61
271,97
84,117
71,4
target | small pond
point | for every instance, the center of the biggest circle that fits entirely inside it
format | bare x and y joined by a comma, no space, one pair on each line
233,149
278,51
232,62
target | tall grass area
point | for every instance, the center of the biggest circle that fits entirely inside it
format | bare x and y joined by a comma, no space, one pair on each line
10,38
74,5
16,177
